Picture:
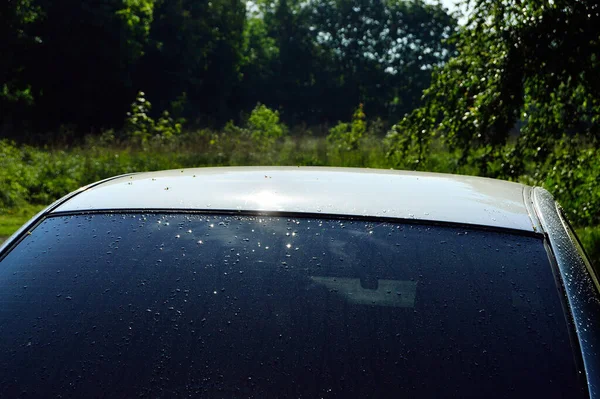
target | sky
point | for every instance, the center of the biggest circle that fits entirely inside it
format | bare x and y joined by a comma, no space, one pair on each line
451,6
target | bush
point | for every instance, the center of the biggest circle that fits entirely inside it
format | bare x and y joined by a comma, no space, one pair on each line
264,126
17,174
348,136
141,128
572,174
253,142
347,141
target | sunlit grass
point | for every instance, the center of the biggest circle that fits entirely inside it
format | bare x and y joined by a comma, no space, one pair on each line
11,220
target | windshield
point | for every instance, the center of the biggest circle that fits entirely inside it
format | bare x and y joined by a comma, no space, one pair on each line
169,305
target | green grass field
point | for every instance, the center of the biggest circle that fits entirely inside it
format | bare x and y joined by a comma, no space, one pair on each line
11,220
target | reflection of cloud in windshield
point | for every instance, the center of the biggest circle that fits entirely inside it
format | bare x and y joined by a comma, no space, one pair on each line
256,233
292,239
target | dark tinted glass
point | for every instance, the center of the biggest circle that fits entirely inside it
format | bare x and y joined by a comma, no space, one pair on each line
222,306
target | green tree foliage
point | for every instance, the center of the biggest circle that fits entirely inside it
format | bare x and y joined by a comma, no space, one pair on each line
260,53
16,45
527,61
264,126
383,51
143,130
282,66
195,49
260,131
81,70
347,136
319,59
136,18
573,174
76,65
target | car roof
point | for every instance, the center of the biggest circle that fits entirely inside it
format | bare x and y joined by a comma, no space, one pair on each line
316,190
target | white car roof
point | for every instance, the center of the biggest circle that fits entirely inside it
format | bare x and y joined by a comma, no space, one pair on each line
332,191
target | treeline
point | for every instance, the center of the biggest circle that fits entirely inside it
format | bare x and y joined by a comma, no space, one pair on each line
77,65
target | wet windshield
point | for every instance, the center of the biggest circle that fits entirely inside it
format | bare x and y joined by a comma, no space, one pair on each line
128,305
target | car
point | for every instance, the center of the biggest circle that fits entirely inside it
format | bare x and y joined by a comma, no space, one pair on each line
299,282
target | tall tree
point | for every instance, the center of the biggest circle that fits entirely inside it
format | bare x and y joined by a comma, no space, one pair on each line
16,47
385,50
527,61
195,49
260,53
331,55
297,64
282,61
82,71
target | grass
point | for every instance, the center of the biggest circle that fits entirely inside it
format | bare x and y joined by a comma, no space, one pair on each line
11,220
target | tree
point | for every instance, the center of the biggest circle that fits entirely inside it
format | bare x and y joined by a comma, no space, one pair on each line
80,72
318,60
17,44
260,52
384,50
78,64
195,49
527,61
282,62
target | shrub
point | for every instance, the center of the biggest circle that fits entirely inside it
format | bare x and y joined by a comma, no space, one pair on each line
264,126
572,173
138,124
16,174
348,136
255,140
351,144
140,127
